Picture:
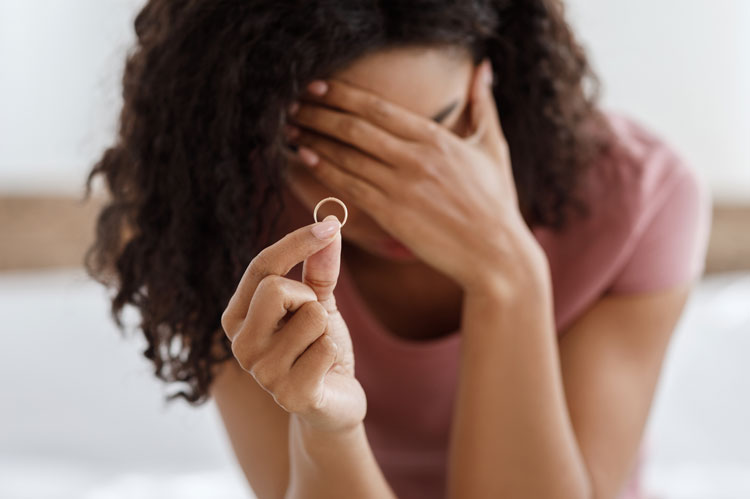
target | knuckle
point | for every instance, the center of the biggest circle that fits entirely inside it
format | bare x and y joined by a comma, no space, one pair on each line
259,258
343,125
441,142
320,282
350,128
244,351
412,158
432,133
259,264
266,374
225,325
378,108
238,351
287,397
272,285
315,313
428,162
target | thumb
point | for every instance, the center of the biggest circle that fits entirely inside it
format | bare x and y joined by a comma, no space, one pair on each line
485,121
320,270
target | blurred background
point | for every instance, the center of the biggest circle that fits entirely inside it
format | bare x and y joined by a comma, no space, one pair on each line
82,415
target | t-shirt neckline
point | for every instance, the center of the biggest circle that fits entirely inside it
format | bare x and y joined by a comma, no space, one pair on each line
379,329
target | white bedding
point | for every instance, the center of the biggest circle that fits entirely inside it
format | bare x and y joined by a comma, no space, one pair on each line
82,415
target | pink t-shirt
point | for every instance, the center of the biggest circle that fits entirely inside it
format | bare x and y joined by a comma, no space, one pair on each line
648,231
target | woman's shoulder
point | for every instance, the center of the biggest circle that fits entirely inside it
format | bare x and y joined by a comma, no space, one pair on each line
639,174
661,204
641,163
647,226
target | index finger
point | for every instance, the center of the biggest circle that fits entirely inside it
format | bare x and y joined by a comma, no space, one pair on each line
278,258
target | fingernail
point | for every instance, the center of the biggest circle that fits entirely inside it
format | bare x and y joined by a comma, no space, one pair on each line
327,228
308,156
318,87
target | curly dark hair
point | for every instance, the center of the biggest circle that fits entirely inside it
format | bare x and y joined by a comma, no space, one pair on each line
196,171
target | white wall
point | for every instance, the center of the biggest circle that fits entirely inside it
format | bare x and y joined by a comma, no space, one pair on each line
683,68
59,88
680,66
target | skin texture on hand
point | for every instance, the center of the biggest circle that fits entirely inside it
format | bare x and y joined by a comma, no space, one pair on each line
307,361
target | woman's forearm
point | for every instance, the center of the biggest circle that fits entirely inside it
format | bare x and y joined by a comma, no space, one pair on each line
511,434
333,465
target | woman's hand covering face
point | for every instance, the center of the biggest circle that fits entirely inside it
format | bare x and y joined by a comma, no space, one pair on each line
451,200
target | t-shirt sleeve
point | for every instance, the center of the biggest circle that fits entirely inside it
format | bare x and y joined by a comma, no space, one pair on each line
670,243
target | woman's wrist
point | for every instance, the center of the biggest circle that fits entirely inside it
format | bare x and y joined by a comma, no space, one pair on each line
512,283
318,438
517,269
333,464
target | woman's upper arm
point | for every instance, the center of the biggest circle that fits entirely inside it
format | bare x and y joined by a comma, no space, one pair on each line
258,429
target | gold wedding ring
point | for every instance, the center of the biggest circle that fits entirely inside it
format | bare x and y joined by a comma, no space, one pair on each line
346,212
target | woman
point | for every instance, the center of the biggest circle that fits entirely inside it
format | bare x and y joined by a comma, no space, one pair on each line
512,266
